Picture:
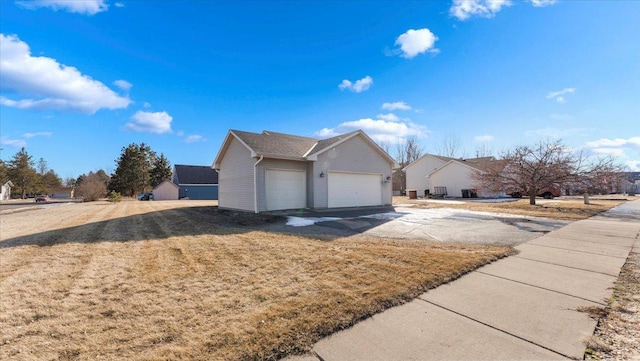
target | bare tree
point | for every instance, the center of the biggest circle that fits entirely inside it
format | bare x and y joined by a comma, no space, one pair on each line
451,147
483,150
548,165
92,187
407,151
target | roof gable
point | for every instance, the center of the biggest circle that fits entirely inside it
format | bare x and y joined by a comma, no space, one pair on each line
195,174
166,181
473,163
286,146
438,157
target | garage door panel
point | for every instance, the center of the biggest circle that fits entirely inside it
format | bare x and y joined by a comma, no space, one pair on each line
354,189
285,189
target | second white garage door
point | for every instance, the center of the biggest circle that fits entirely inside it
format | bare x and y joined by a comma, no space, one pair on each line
354,189
285,189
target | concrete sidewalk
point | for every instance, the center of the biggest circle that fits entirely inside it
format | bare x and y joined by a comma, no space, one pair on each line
524,307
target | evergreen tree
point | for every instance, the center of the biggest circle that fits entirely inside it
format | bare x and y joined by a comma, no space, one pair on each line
22,173
132,173
160,170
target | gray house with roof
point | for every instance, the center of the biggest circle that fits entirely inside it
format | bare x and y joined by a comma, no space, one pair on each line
274,171
195,181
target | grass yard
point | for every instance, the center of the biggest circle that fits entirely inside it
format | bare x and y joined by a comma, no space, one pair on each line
569,209
182,281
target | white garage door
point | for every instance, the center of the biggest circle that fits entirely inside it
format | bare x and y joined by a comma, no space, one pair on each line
285,189
354,189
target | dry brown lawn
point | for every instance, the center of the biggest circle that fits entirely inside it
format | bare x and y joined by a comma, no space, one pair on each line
617,335
569,209
171,281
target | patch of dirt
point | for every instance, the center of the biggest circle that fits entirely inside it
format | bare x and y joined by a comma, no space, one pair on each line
617,335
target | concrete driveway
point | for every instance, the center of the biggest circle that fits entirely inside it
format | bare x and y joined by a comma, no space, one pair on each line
435,224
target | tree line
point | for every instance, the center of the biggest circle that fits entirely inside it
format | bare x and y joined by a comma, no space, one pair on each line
138,169
28,177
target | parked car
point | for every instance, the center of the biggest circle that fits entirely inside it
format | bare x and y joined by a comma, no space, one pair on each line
145,196
548,193
42,198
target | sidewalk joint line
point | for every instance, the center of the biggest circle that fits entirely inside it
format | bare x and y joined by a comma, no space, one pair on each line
575,250
496,328
543,288
562,265
595,242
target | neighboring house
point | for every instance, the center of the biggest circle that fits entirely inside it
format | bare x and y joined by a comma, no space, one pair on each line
417,171
165,191
274,171
195,181
444,176
5,191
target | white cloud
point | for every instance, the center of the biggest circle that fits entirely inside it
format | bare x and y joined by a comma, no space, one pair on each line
148,122
617,152
415,42
380,130
633,165
88,7
59,87
37,134
194,138
484,138
396,106
146,105
122,84
558,95
627,150
357,87
390,117
119,5
14,143
464,9
633,142
542,3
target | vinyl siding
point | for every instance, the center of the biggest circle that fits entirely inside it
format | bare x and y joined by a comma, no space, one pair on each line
354,155
199,191
235,182
417,173
455,177
165,191
277,164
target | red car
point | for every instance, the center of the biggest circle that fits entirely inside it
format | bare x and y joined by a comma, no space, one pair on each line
42,198
548,193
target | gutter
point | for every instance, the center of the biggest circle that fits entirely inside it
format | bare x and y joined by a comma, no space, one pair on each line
255,184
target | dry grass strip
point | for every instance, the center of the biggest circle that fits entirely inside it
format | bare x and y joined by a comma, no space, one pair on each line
556,209
158,281
617,336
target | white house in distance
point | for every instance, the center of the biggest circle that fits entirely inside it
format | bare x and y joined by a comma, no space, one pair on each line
274,171
166,190
5,191
445,176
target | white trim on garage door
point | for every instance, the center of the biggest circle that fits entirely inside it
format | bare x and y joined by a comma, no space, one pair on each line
285,189
354,189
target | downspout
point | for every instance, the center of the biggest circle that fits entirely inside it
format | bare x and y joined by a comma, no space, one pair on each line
255,184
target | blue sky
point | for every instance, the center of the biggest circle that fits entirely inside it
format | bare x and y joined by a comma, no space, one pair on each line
82,79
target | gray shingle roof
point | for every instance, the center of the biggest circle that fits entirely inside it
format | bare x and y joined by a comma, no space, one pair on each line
277,144
324,143
196,174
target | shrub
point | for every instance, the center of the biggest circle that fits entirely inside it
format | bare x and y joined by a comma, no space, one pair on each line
114,197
